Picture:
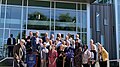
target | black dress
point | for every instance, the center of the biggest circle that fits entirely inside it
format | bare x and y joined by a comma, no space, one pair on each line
78,58
61,55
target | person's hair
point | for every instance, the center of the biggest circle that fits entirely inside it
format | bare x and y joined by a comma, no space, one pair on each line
22,40
57,38
53,45
11,35
91,40
85,46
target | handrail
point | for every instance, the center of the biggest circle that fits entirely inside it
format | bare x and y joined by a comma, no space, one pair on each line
5,59
118,60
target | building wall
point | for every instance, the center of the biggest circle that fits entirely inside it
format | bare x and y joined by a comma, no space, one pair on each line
103,27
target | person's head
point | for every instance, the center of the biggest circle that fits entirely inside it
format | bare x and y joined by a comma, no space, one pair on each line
40,40
44,44
69,35
37,33
31,33
77,36
85,47
46,34
77,41
52,36
22,42
11,35
91,41
53,47
57,39
63,42
99,46
50,42
66,37
61,46
47,39
59,35
68,43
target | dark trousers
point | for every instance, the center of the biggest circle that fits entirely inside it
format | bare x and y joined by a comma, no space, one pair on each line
39,61
103,63
59,62
10,52
67,63
86,65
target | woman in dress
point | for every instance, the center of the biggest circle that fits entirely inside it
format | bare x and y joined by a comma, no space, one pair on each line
78,55
52,57
61,55
86,57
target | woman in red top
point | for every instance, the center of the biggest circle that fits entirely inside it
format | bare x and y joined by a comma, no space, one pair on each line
52,57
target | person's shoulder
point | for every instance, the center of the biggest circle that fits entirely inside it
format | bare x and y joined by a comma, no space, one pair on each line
17,46
8,38
28,37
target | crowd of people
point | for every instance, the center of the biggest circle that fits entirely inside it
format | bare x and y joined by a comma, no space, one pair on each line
58,52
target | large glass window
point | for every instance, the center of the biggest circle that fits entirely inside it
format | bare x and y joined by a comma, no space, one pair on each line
38,18
82,18
14,2
16,34
1,37
7,34
3,1
13,17
59,17
24,17
66,5
52,18
83,37
2,16
39,3
82,21
65,18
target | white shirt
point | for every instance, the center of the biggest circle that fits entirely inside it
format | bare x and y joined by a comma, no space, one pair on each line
86,56
47,44
37,40
58,44
43,53
11,40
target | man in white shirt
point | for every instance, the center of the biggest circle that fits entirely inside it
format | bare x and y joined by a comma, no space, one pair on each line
44,56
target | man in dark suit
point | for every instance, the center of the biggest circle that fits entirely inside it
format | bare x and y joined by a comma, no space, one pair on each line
36,48
44,38
28,43
11,42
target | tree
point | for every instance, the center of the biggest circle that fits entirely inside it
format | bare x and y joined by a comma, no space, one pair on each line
35,16
65,18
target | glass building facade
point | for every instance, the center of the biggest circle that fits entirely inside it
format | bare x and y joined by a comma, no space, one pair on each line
18,17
